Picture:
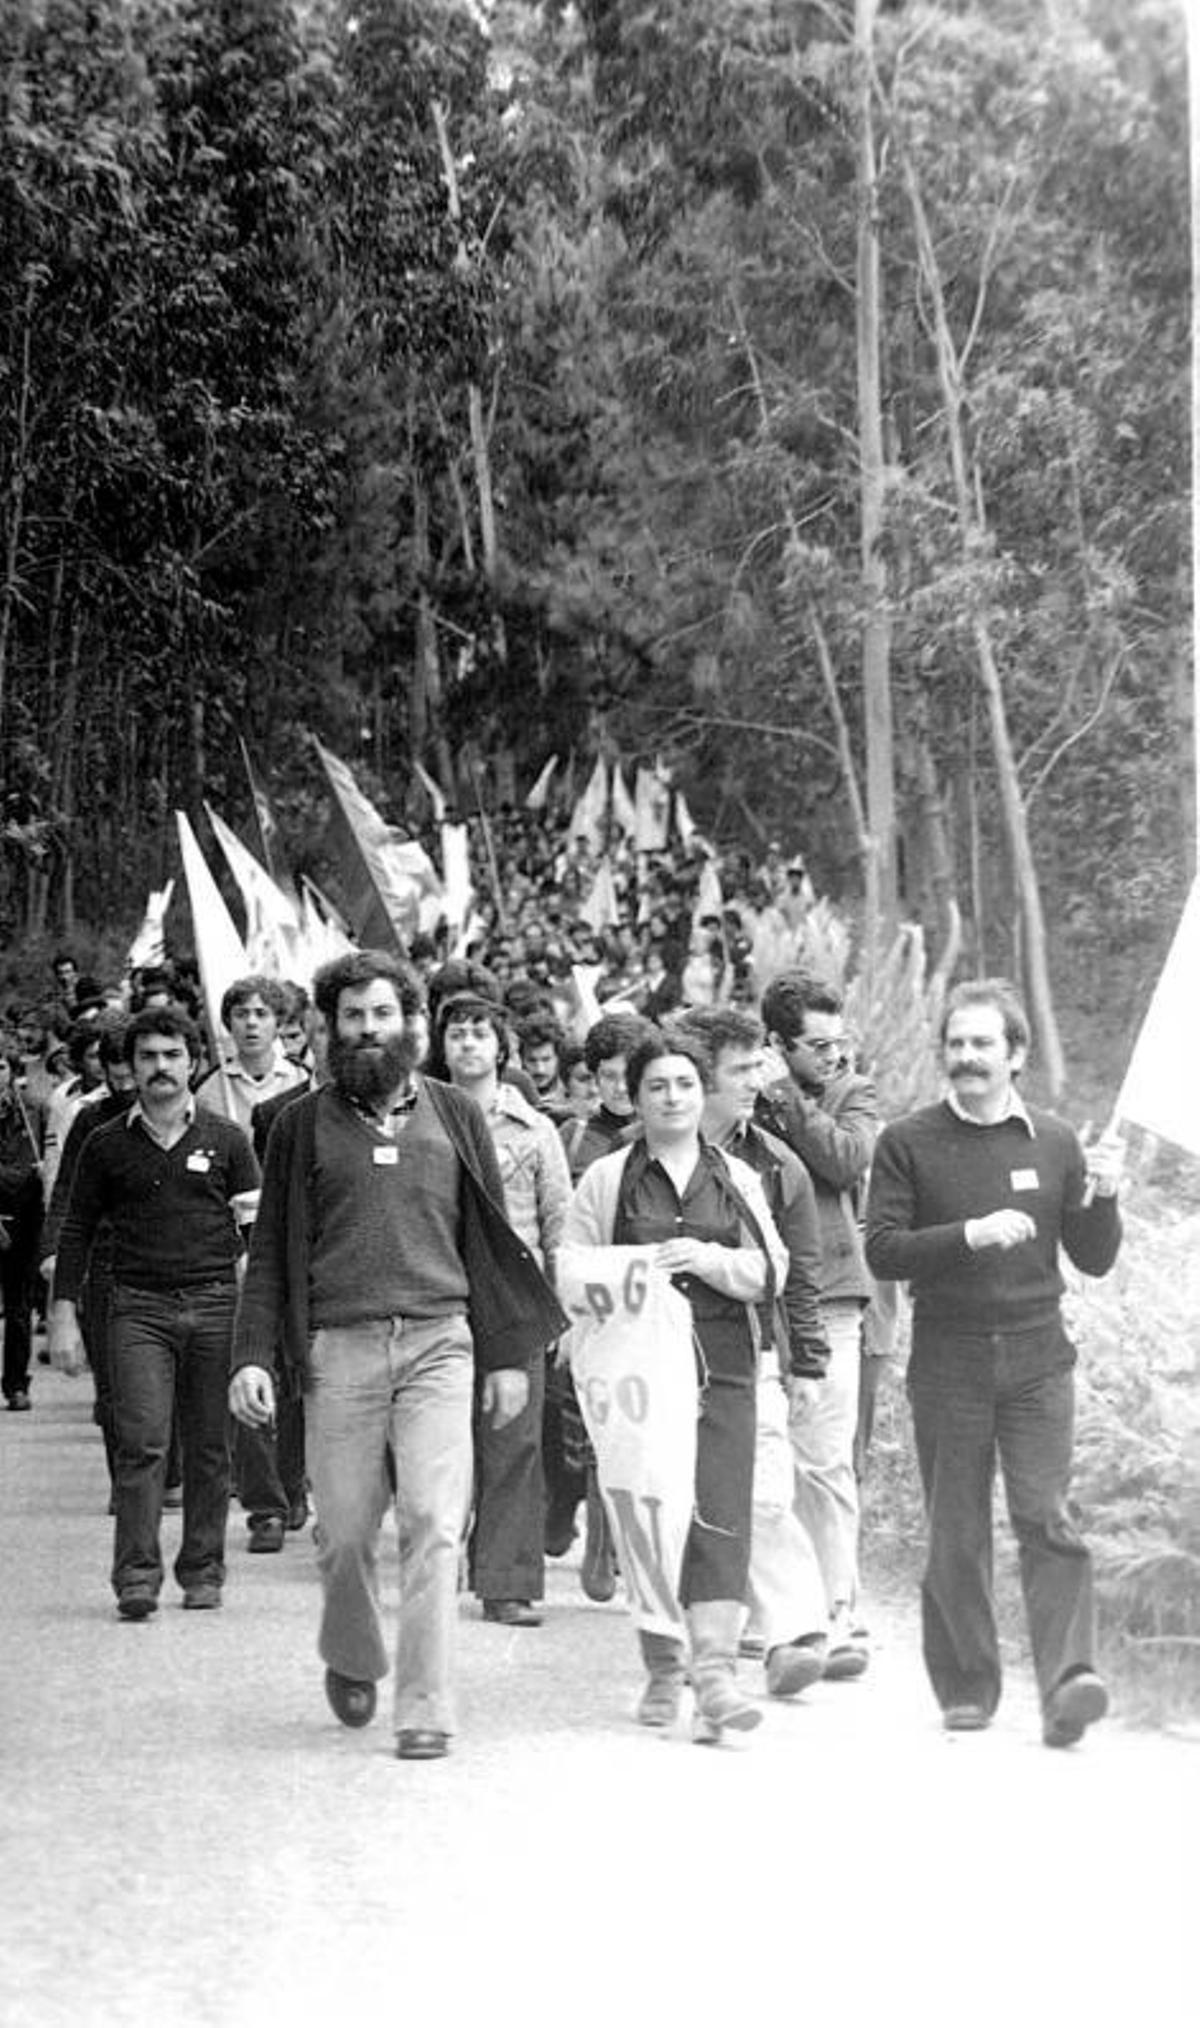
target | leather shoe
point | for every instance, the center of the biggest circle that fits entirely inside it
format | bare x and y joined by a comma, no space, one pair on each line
136,1605
511,1612
202,1598
793,1666
266,1536
418,1744
18,1402
966,1718
1072,1706
297,1513
350,1699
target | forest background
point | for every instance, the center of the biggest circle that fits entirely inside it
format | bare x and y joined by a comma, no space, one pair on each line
796,392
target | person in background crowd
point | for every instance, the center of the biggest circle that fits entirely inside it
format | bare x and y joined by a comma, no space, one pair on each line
293,1027
971,1201
66,978
384,1265
579,1083
540,1039
507,1542
175,1184
706,1214
20,1228
828,1115
82,1087
251,1010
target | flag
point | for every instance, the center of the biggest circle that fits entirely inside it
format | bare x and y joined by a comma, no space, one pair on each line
149,945
322,933
1159,1093
456,873
264,815
709,898
684,822
583,978
623,809
601,910
587,819
220,953
386,877
272,919
652,801
434,791
536,799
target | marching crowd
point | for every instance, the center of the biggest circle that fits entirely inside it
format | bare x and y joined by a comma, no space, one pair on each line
446,1239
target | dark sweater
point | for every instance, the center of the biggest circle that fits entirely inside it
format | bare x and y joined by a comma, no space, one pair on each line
385,1230
933,1171
513,1312
169,1207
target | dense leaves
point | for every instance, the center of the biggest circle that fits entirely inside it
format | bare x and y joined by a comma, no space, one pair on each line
448,389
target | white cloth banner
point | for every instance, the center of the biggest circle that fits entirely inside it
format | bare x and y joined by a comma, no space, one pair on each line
1158,1092
631,1354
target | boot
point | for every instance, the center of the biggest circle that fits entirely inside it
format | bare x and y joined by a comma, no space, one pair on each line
666,1676
713,1625
598,1571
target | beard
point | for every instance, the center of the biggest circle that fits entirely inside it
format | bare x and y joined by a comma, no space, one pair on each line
371,1071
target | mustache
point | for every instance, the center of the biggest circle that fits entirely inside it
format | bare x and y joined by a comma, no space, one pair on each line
968,1070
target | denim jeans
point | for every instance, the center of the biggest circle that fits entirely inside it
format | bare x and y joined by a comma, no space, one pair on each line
822,1433
169,1352
268,1465
408,1383
974,1400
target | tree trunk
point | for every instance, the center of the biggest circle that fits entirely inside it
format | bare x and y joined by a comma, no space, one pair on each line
15,516
968,494
880,866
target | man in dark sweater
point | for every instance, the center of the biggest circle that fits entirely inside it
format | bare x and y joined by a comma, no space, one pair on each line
970,1202
384,1267
173,1183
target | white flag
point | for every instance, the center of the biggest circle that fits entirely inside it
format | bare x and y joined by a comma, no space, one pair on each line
456,874
652,798
684,822
536,799
587,818
433,790
1160,1092
149,945
623,810
220,953
272,921
600,910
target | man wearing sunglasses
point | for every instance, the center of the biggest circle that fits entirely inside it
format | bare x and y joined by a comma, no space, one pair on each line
828,1114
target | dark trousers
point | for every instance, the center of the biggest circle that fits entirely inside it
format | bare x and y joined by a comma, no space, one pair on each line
716,1557
170,1351
508,1539
975,1400
268,1465
18,1274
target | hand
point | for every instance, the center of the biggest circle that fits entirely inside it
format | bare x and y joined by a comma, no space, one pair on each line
803,1396
1004,1229
505,1394
682,1256
252,1396
1105,1164
47,1270
64,1339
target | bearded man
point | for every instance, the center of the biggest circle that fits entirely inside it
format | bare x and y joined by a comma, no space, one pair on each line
383,1264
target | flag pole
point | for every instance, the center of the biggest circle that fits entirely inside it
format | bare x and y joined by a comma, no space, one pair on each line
490,849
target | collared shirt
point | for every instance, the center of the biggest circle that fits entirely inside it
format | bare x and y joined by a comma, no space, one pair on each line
392,1123
231,1091
138,1116
533,1165
1015,1109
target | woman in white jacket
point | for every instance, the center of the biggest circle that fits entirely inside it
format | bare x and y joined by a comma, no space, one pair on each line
706,1216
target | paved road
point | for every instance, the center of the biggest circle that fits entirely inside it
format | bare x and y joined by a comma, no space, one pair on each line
187,1838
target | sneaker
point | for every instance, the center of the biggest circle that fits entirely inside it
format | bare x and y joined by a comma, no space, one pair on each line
1074,1704
794,1665
848,1654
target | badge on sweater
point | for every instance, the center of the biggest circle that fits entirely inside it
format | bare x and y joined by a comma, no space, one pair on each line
200,1163
385,1157
1024,1179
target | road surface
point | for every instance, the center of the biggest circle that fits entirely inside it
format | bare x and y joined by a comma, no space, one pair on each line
188,1838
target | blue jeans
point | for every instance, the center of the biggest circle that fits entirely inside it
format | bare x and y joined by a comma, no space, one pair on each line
169,1353
973,1400
407,1382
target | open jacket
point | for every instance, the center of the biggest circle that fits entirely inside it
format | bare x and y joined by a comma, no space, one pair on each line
513,1312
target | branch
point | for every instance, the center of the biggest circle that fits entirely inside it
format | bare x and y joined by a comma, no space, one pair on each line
986,262
1073,738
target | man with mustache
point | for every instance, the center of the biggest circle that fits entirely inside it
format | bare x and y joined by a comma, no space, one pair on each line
383,1265
174,1184
970,1202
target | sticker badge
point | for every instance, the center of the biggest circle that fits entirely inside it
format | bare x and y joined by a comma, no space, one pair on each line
200,1163
386,1156
1024,1179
